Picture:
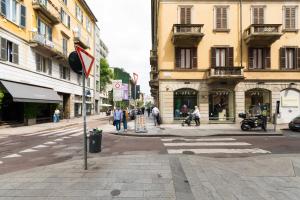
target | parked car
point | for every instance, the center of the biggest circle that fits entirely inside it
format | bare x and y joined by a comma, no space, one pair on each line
294,125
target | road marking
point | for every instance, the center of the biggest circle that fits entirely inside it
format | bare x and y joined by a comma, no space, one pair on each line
40,146
13,156
197,140
58,132
49,143
66,137
69,132
76,134
218,151
1,162
59,140
28,151
207,144
49,132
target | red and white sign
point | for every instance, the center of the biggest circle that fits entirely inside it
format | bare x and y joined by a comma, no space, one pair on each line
135,77
87,60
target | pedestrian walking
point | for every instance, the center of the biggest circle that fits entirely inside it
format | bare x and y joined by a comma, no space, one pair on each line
125,117
264,114
56,115
197,116
156,116
148,111
118,118
143,110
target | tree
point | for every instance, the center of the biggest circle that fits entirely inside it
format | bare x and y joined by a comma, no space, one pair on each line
106,74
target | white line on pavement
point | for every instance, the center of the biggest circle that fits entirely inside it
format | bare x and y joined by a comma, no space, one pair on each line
220,151
207,144
28,151
69,132
13,156
50,132
59,140
40,146
76,134
197,140
1,162
58,132
49,143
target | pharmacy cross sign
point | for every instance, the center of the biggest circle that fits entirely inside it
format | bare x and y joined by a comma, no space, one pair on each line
87,60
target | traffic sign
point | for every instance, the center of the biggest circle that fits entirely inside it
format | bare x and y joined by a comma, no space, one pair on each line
135,77
87,60
75,63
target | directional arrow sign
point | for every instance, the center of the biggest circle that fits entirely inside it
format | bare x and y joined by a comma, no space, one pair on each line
86,59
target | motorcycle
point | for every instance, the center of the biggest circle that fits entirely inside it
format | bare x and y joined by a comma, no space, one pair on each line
249,123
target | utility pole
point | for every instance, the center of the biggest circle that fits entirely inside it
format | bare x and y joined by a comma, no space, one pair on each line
84,121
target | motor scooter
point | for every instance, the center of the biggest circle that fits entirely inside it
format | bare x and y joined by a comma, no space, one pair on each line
249,123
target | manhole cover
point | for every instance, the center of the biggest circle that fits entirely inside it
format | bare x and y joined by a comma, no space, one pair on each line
188,152
115,193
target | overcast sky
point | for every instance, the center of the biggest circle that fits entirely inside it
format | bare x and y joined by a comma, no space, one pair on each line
125,27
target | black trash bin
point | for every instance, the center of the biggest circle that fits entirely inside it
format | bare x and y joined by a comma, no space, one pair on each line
95,141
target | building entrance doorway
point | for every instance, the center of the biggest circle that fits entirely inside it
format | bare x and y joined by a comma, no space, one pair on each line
185,101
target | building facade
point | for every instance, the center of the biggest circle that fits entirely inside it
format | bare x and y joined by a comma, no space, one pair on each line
227,57
37,37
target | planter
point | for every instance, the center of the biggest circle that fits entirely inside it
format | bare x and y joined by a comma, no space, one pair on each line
30,122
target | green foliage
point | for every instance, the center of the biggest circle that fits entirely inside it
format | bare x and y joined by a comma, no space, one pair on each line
106,74
121,74
1,97
140,103
30,110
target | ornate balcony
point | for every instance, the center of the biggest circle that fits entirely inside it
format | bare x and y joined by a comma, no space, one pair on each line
52,48
226,73
48,9
153,57
187,34
262,34
81,41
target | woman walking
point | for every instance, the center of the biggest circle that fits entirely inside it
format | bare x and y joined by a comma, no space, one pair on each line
125,119
196,114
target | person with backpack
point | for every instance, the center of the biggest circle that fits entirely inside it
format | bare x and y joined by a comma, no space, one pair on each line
156,116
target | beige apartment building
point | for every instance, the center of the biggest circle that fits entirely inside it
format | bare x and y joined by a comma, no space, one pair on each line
227,57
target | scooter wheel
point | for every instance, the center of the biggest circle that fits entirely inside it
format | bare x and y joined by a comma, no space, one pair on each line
244,127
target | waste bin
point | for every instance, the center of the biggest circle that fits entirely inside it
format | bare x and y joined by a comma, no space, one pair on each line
95,140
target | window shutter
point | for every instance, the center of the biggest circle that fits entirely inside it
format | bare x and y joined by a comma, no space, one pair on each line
3,55
49,66
182,15
282,58
49,33
188,16
3,7
250,58
255,15
229,57
194,58
261,15
267,57
218,18
293,18
298,58
23,16
177,57
15,53
62,15
213,57
287,15
69,21
38,62
224,18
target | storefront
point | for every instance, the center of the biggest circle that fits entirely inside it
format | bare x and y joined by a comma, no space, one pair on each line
255,99
185,101
221,106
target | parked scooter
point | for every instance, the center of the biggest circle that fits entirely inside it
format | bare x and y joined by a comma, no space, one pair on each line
249,123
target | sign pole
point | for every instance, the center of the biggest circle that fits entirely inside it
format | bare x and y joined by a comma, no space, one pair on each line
84,121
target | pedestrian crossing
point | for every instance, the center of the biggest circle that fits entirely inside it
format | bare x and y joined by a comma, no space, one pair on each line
209,146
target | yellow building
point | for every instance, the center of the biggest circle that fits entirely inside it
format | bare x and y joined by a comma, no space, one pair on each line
37,37
227,57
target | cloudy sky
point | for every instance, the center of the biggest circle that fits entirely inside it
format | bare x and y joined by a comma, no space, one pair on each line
125,27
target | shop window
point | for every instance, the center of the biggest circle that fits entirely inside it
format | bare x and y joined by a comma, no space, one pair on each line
255,99
185,101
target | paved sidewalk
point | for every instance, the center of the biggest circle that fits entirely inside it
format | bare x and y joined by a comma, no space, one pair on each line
47,126
175,130
159,177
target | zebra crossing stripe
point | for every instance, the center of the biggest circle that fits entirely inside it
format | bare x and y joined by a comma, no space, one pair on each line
66,133
28,151
13,156
58,132
76,134
40,146
49,143
198,140
219,151
49,132
207,144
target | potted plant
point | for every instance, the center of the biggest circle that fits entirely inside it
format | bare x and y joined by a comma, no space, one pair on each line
30,113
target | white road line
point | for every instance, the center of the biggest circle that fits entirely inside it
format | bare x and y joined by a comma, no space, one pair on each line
28,151
59,140
1,162
76,134
220,151
13,156
69,132
49,143
58,132
198,140
40,146
49,132
207,144
66,137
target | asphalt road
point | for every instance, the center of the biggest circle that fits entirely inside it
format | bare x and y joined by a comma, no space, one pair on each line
25,151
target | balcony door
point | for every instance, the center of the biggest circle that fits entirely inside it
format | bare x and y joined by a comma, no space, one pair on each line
44,30
185,18
259,58
258,14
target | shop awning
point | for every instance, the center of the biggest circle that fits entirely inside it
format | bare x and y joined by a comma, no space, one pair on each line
31,94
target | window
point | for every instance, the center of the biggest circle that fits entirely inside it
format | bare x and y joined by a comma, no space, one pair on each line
258,14
185,15
221,57
44,29
259,58
79,14
64,72
221,18
65,46
88,25
43,64
9,51
186,58
290,14
65,18
14,11
289,58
